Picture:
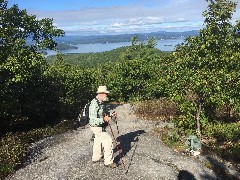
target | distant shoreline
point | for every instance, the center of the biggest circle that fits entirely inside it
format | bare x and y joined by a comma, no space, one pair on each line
92,39
167,45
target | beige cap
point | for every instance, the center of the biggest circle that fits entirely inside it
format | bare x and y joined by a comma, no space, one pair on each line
102,89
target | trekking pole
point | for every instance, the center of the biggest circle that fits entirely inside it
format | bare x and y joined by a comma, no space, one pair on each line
115,119
116,145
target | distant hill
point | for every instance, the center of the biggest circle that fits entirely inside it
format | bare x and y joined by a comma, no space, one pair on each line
73,40
90,60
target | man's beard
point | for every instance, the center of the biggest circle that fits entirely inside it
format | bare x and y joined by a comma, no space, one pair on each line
105,99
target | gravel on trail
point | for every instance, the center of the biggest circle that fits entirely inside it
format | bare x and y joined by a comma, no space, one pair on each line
68,156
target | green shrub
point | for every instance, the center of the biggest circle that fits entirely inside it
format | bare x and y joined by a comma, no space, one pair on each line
232,152
11,152
223,131
13,147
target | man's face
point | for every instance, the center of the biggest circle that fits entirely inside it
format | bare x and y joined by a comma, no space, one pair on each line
103,96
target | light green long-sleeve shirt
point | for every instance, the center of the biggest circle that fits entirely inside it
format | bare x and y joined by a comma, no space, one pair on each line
95,113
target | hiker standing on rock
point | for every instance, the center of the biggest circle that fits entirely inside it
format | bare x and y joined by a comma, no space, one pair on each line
98,122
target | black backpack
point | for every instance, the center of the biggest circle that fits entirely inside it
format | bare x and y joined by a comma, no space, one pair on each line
83,117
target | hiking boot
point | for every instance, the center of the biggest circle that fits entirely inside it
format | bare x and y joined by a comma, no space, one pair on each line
100,160
112,165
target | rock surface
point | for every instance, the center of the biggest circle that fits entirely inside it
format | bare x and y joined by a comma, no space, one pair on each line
68,156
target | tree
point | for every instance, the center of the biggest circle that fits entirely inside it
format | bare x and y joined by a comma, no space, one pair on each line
142,51
73,85
21,66
206,70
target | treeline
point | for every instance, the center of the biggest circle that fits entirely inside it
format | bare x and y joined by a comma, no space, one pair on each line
90,60
64,46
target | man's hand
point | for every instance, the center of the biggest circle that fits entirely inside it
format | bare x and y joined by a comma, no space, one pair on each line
114,114
106,118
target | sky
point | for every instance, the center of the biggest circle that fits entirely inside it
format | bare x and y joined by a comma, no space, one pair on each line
94,17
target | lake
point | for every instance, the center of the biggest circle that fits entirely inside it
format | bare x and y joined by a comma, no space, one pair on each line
163,45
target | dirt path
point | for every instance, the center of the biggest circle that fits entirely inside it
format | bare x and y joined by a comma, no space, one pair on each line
68,156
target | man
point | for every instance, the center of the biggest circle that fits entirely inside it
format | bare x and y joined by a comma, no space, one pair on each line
98,122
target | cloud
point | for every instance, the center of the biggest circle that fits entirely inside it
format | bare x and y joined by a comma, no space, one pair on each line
155,16
117,24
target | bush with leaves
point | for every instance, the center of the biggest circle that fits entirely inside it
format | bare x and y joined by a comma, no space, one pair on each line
206,69
141,50
73,85
21,66
138,75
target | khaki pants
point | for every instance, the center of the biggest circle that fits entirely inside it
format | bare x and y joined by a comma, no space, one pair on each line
102,139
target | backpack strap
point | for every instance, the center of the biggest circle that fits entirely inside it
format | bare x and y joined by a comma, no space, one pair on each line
98,106
97,101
